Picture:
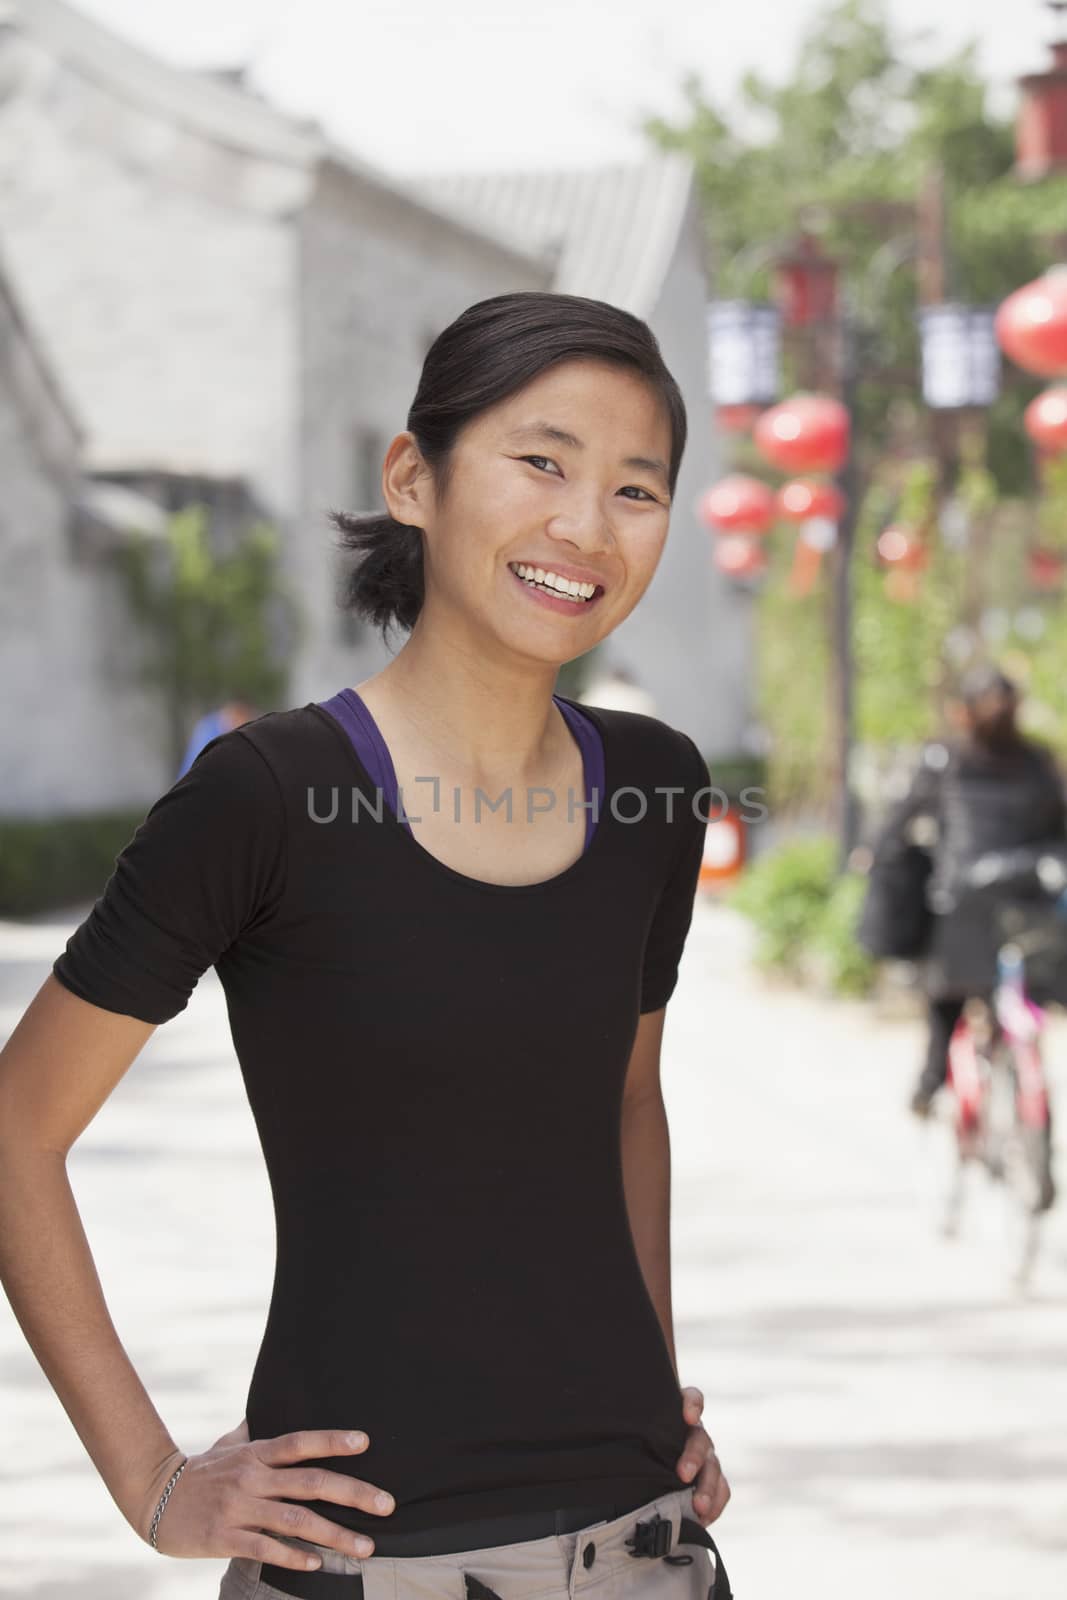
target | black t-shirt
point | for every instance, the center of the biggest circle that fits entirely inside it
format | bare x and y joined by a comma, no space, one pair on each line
435,1066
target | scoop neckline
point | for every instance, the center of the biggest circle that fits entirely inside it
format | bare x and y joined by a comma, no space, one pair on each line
409,841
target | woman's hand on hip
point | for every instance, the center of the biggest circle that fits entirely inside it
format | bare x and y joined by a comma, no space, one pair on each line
231,1498
698,1463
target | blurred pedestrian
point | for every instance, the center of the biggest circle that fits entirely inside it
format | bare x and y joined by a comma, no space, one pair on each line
988,789
233,713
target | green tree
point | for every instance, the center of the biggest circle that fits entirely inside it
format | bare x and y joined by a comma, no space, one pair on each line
841,148
213,624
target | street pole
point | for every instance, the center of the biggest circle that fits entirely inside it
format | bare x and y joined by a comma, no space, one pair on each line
841,656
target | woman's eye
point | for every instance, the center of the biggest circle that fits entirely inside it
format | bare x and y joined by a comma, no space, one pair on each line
640,491
537,458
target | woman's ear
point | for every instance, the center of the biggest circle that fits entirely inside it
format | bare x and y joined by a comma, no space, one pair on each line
406,482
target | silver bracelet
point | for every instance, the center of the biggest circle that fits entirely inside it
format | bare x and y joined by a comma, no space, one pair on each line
162,1503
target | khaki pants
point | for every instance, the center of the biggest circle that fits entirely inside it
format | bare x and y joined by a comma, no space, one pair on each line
594,1561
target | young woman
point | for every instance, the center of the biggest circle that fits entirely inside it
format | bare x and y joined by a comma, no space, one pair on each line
447,907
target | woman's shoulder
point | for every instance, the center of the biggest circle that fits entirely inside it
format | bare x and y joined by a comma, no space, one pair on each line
647,740
293,742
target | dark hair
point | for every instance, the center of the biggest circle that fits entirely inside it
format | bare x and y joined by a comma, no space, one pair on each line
487,354
982,679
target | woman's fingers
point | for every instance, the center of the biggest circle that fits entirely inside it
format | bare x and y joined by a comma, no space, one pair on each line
299,1522
318,1483
260,1547
692,1403
692,1458
309,1444
711,1492
229,1499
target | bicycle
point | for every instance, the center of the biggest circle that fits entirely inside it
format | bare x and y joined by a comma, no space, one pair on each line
1002,1115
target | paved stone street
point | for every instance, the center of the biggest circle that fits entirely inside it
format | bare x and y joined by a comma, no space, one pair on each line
892,1417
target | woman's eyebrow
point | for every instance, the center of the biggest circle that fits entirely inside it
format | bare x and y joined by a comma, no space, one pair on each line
547,431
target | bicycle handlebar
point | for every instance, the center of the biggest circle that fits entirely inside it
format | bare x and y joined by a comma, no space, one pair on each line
1043,868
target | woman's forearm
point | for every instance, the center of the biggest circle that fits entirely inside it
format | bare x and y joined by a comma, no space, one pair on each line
50,1278
646,1168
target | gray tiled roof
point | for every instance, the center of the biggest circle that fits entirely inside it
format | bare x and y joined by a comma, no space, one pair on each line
220,110
614,228
27,368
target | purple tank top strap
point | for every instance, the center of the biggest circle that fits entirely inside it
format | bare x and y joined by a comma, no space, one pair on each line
349,709
589,741
354,716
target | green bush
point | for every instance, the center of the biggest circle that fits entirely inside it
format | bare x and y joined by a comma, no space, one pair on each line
841,962
60,862
805,915
784,892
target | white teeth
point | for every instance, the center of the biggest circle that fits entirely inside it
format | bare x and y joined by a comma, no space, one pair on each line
569,588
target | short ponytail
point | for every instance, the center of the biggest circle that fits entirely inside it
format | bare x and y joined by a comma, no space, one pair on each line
490,352
385,586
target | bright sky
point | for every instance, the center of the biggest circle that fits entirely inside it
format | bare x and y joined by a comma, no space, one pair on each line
432,85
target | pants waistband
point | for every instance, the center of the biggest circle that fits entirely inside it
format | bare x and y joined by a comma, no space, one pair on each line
571,1546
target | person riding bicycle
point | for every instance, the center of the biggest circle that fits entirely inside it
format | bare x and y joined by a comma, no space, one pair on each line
991,789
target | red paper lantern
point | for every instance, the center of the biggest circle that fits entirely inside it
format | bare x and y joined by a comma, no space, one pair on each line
1045,568
808,433
738,504
740,556
1045,419
1031,324
805,498
736,419
902,549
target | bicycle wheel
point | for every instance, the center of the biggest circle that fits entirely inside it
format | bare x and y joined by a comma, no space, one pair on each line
1029,1190
1037,1158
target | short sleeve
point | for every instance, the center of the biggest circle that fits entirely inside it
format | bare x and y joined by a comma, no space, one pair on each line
674,910
205,863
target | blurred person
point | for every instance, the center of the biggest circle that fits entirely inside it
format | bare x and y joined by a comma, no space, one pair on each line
618,689
233,713
449,1031
988,789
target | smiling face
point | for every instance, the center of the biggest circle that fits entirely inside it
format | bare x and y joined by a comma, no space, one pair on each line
565,480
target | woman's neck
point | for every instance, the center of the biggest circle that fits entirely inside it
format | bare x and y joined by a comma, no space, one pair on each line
493,724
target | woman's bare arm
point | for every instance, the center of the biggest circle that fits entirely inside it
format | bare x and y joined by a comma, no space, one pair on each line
62,1061
56,1070
646,1166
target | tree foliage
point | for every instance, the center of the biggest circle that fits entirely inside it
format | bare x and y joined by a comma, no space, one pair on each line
842,148
215,624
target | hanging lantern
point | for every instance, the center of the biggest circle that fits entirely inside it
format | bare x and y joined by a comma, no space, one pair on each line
807,558
740,555
805,498
1045,568
960,356
737,504
1045,419
744,352
902,549
736,419
901,586
1031,324
806,284
807,433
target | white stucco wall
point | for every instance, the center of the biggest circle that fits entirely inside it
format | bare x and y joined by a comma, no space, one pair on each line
159,267
688,640
380,280
76,728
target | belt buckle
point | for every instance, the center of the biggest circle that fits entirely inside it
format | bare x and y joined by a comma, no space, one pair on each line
651,1537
